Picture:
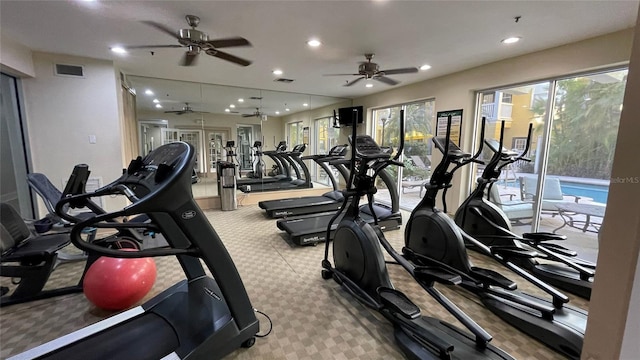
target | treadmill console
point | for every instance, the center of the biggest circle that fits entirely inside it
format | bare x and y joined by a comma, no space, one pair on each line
299,148
230,144
454,150
257,144
338,150
367,148
282,146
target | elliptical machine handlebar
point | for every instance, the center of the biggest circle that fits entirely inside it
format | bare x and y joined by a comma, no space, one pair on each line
452,154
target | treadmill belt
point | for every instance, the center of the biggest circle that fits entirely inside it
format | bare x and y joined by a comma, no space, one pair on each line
148,336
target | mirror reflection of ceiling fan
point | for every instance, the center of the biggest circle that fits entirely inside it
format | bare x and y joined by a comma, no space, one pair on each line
256,113
371,70
185,110
196,42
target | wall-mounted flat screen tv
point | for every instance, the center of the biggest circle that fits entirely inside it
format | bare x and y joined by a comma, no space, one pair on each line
345,115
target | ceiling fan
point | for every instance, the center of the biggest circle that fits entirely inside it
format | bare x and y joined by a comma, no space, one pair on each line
256,113
196,42
185,110
371,70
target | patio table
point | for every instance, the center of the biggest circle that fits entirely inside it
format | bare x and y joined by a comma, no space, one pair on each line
569,210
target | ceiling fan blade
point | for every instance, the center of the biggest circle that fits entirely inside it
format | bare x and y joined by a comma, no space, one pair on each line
226,56
162,28
229,42
407,70
248,115
354,81
150,47
386,80
340,74
189,59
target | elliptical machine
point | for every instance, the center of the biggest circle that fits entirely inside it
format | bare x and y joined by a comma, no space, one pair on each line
433,239
360,268
259,167
201,317
232,156
488,224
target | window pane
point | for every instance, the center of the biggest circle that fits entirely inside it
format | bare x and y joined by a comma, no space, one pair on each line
583,138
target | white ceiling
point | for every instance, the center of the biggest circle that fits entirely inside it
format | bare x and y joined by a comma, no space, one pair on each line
448,35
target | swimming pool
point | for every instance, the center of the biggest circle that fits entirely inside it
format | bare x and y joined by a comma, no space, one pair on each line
598,193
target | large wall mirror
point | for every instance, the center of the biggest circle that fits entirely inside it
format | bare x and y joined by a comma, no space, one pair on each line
210,117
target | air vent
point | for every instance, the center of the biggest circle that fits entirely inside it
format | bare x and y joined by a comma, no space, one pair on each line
69,70
283,80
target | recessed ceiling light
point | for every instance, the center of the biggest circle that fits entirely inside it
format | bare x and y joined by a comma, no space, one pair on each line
159,106
314,43
227,110
240,100
369,85
232,106
305,104
148,92
118,50
425,67
511,40
277,72
287,109
277,112
156,101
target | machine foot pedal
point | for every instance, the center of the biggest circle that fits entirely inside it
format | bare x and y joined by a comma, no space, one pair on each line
398,302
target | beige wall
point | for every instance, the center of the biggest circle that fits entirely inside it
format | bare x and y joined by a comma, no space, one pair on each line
61,113
613,329
457,91
16,59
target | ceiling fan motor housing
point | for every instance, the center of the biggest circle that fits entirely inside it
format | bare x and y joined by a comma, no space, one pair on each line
192,36
368,68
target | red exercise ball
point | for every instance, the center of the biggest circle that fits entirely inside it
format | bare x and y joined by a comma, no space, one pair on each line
116,283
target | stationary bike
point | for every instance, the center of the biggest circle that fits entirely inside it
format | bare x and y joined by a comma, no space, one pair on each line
488,224
360,268
433,239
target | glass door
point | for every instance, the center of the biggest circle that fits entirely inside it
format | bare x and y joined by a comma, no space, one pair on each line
294,131
326,138
13,180
410,179
244,144
216,141
564,188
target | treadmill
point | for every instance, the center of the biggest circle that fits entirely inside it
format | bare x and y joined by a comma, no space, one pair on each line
284,174
293,159
200,317
329,201
312,229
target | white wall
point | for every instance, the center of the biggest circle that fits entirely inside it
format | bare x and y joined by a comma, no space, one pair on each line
15,58
61,113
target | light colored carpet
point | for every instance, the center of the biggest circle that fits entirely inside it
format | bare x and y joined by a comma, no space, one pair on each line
312,318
